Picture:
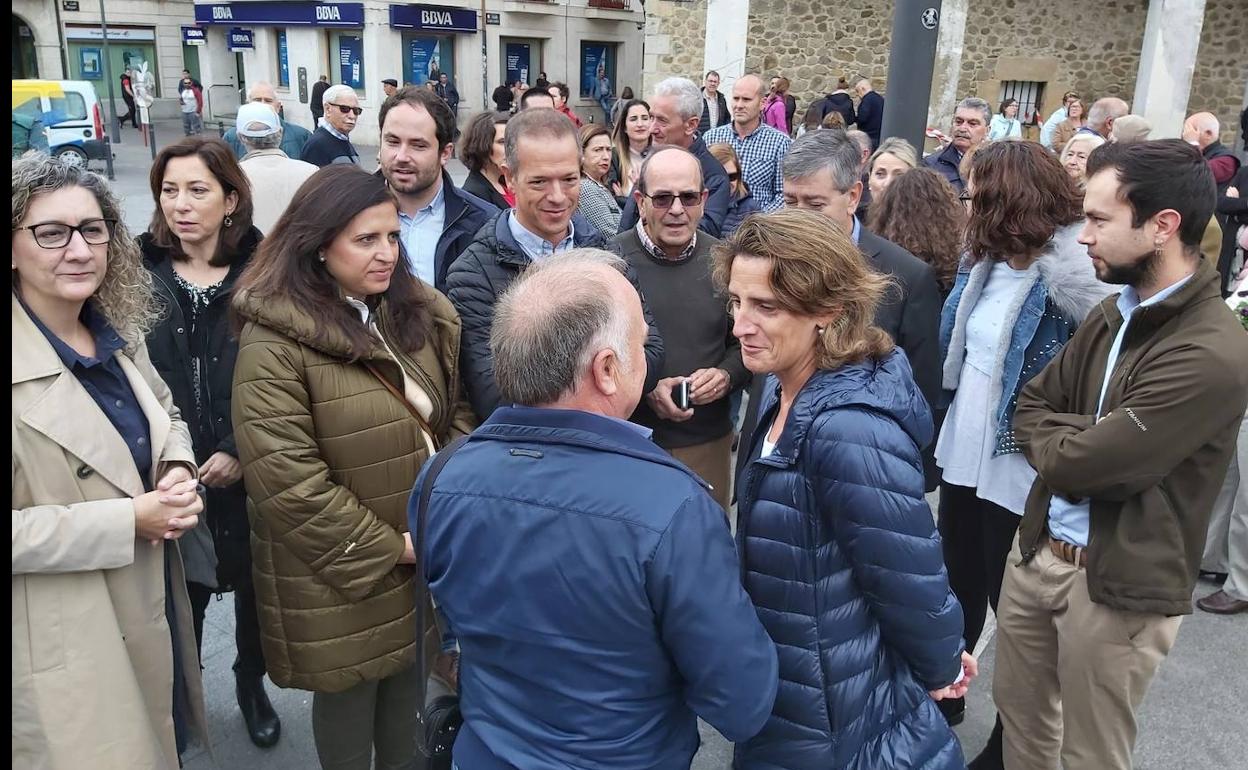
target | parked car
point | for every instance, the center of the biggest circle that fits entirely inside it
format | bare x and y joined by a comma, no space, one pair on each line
71,114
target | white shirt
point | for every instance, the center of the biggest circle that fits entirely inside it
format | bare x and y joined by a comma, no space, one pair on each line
275,178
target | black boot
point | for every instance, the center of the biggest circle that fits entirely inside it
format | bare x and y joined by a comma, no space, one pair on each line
263,725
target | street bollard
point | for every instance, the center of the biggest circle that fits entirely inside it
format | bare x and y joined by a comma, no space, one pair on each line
151,135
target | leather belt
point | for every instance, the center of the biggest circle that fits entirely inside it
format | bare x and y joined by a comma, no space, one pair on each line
1069,552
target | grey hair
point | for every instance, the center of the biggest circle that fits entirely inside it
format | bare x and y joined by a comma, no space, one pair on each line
333,92
897,147
818,150
551,322
686,93
975,103
251,88
533,124
1105,108
270,142
860,138
125,297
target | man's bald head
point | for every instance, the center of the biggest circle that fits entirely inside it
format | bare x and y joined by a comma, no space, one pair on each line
748,93
569,331
1103,114
1201,129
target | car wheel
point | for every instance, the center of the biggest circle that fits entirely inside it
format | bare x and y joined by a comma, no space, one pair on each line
72,155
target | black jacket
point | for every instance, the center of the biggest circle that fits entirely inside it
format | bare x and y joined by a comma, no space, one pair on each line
314,102
482,273
465,215
1232,214
476,184
714,178
212,430
323,148
725,116
871,116
910,313
948,164
841,102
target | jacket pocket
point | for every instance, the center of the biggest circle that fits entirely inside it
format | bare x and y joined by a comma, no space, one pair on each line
44,624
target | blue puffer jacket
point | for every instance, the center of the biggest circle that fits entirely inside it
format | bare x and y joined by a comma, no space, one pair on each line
843,563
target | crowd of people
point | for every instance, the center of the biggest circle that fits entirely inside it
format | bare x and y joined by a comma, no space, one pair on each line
474,459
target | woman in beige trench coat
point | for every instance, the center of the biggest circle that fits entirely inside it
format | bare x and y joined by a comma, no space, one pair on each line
94,536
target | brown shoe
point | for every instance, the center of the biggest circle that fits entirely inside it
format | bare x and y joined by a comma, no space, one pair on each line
1221,603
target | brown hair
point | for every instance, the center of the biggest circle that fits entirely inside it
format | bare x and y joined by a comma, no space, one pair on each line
478,142
223,166
619,139
1021,196
591,130
815,269
833,119
724,153
920,212
287,265
444,128
782,84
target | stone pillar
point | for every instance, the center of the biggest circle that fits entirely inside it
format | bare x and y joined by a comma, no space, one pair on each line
1167,61
948,68
727,25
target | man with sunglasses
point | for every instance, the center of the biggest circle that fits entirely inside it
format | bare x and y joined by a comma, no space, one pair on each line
673,264
330,143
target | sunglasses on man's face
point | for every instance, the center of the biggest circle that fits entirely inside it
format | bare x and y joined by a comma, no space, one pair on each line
344,109
665,201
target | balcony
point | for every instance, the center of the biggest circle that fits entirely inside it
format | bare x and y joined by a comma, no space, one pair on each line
611,5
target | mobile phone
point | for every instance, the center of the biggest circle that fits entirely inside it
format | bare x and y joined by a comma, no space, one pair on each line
680,394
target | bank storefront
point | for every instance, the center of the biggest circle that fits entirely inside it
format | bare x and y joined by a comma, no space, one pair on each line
292,44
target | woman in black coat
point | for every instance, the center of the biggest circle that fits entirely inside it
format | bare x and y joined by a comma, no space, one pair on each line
197,244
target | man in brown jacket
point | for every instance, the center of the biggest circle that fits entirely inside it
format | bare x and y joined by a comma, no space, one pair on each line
1130,430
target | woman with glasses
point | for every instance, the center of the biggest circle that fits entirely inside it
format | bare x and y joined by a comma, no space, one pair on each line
482,151
103,486
347,381
330,142
1076,118
597,204
1023,288
199,240
631,138
1005,124
742,203
837,546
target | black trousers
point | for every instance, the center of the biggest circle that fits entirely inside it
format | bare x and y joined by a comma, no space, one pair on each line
132,113
250,659
976,536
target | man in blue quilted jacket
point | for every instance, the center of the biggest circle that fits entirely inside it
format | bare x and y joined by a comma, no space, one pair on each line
589,578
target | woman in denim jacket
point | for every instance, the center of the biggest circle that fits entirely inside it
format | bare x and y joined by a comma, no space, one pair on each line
1023,287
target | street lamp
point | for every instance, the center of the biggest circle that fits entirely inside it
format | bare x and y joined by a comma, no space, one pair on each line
112,102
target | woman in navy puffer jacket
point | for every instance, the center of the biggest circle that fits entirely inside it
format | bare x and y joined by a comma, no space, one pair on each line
838,548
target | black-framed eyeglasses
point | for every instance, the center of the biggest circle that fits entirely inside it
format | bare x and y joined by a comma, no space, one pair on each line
965,197
734,176
56,235
344,109
665,200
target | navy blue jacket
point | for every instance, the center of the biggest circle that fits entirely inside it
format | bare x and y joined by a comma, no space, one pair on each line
465,215
842,560
595,592
947,163
870,116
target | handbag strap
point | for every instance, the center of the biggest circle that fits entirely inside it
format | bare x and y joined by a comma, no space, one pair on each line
420,420
422,587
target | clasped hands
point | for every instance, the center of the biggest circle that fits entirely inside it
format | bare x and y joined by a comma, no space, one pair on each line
171,509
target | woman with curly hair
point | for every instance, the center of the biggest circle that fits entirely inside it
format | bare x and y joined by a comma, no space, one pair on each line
105,672
920,212
1024,287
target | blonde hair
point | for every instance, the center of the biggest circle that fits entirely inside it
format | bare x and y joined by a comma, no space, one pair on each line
724,153
815,270
899,149
125,297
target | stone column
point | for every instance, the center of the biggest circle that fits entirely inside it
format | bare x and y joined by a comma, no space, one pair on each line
727,25
1167,61
948,68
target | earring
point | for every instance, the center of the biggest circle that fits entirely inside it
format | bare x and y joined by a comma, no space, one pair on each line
321,256
820,329
228,221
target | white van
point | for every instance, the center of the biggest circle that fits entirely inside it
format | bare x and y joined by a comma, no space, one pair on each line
71,114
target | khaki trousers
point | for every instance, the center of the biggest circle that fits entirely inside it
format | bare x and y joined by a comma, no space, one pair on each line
713,462
1226,549
1070,673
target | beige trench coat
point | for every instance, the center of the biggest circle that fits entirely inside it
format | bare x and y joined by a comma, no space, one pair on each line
92,660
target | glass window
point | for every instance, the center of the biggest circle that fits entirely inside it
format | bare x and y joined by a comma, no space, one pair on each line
71,106
283,59
1029,95
425,57
597,63
346,52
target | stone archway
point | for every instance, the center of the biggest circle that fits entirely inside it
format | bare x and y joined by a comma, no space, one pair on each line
25,61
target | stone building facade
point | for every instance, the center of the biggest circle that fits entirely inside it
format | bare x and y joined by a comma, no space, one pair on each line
1093,48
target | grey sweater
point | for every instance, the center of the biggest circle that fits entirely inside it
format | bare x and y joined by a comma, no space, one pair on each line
696,329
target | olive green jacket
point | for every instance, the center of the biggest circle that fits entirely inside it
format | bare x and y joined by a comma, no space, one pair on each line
329,459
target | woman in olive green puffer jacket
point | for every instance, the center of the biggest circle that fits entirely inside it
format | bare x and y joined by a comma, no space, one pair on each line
330,453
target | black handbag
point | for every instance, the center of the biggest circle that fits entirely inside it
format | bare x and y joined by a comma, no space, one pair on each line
440,720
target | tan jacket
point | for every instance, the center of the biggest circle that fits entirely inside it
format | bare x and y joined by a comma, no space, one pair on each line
275,178
1063,133
329,459
92,659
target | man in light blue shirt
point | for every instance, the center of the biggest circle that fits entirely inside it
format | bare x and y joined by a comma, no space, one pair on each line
1054,120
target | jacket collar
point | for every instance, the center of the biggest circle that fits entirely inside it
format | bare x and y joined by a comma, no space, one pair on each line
1201,287
572,427
508,252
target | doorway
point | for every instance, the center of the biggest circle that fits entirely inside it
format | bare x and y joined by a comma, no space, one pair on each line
25,63
242,78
